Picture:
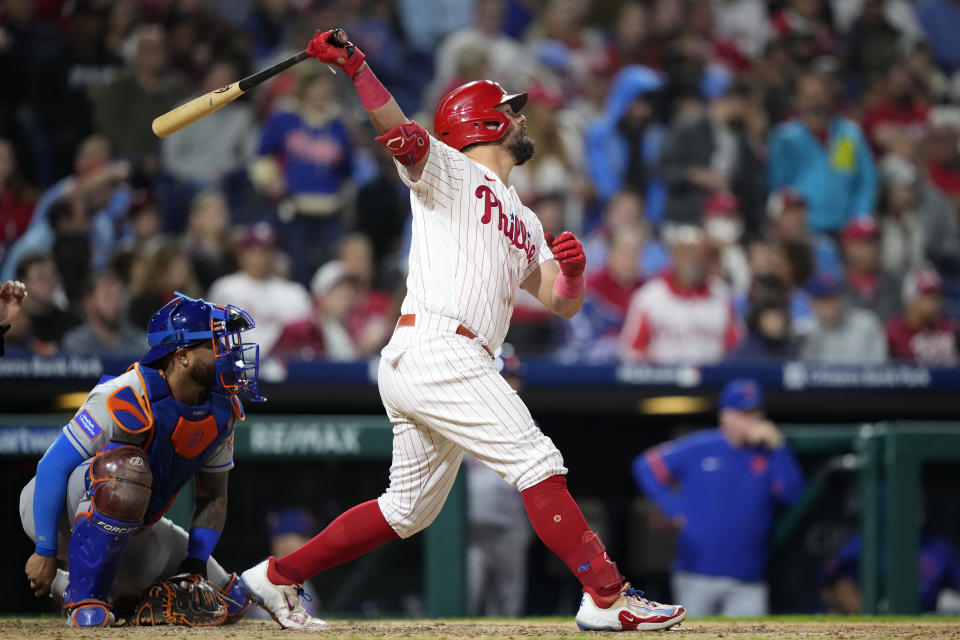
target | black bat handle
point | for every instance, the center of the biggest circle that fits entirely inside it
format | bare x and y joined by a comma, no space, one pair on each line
256,78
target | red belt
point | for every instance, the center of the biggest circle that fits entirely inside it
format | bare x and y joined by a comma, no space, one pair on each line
410,320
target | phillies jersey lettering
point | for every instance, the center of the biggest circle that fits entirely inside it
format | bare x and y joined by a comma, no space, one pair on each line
473,244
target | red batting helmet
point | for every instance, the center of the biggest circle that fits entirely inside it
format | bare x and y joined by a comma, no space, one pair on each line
465,113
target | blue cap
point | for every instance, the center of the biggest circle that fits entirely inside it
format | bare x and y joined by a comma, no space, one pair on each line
742,394
824,284
285,521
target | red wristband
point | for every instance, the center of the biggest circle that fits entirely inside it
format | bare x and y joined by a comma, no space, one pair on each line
372,93
567,287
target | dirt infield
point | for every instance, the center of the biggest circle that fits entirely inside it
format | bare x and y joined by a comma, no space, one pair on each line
15,629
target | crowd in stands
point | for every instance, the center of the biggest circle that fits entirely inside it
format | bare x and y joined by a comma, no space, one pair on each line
751,179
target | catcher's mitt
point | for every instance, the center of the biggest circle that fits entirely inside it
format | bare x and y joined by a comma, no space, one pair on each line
185,599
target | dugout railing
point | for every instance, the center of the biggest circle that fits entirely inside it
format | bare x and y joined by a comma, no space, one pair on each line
887,457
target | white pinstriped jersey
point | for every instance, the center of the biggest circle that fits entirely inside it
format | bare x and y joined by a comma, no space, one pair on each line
473,244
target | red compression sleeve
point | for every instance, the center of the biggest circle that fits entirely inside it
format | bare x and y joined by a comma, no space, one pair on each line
354,533
569,287
372,93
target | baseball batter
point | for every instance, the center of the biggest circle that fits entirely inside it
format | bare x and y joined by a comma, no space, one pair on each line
101,489
474,244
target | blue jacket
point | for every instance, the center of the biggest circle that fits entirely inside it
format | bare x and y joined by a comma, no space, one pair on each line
839,181
726,496
606,148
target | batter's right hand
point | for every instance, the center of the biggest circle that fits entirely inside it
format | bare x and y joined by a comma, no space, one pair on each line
40,570
323,47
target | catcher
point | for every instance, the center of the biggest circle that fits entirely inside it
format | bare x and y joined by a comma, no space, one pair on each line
101,489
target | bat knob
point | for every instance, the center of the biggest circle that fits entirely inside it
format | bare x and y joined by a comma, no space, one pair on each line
338,38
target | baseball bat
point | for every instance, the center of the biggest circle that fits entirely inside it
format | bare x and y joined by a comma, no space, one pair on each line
188,113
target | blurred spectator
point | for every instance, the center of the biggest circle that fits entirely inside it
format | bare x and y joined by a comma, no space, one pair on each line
595,331
703,156
805,24
900,115
873,47
121,20
564,43
44,310
269,25
125,108
631,35
71,250
99,186
274,301
867,285
207,239
723,224
107,331
17,198
720,488
372,316
839,333
917,223
624,210
787,211
217,144
507,63
938,570
305,160
165,270
824,157
683,316
743,22
446,16
325,334
724,53
769,327
143,223
623,144
774,75
64,80
939,19
923,333
943,150
12,294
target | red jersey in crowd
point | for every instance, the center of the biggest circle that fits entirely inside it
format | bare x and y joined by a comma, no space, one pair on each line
934,345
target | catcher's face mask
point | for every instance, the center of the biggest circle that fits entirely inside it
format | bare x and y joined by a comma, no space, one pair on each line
186,321
238,364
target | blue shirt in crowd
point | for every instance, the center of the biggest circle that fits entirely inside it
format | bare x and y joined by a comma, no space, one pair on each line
316,159
726,496
837,179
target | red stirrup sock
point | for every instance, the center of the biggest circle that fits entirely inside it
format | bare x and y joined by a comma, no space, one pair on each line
561,526
354,533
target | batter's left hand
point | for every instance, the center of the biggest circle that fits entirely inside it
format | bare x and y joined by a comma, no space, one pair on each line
569,253
323,48
40,570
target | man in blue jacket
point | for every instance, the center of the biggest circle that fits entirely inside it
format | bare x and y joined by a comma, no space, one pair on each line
720,487
824,157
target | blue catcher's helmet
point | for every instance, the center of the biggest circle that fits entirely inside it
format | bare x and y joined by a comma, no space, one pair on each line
185,321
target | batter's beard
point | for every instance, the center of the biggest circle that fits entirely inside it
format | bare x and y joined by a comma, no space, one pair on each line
522,149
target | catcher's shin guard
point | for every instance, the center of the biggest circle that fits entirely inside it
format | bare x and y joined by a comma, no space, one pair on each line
96,548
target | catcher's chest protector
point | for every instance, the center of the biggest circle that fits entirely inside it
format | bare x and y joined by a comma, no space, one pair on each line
180,437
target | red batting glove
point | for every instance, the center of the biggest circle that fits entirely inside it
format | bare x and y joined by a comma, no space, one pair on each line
349,57
569,253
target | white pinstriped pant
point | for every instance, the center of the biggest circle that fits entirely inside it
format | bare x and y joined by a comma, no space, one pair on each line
444,396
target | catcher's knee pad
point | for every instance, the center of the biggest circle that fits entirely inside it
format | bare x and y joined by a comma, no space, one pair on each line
120,481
